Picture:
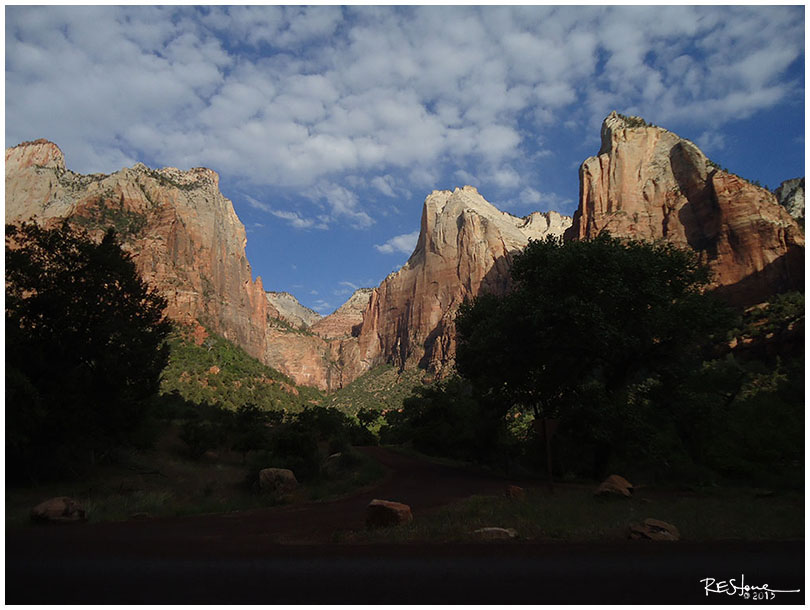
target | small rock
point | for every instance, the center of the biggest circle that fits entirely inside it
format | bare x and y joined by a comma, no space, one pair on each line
654,529
383,513
332,464
515,492
615,485
277,480
496,533
59,510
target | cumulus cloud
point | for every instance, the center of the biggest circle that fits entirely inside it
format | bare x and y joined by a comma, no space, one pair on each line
392,95
403,244
384,184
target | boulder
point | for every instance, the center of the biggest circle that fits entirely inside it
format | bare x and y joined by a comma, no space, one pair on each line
277,480
654,529
384,513
615,485
515,493
496,533
59,510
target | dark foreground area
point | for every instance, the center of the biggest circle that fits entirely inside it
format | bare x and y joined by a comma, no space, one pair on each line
285,555
415,574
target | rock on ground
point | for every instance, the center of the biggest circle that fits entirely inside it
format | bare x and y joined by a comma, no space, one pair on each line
615,485
59,510
384,513
277,480
654,529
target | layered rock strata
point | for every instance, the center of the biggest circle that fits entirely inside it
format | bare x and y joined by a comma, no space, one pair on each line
465,248
183,234
345,322
648,183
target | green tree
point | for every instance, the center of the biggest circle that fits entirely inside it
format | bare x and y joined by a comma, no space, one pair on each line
589,328
84,349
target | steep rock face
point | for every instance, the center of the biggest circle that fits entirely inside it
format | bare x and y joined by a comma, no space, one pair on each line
648,183
326,355
291,311
464,249
344,321
184,235
790,195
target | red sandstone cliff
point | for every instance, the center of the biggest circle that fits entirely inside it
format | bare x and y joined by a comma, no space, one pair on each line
648,183
184,235
345,321
464,248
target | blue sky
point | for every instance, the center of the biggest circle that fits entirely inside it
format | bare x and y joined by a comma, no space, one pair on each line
330,125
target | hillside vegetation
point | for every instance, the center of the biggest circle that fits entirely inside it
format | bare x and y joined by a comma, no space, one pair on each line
217,372
383,388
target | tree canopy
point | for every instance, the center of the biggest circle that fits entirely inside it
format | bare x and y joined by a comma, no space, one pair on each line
586,318
84,348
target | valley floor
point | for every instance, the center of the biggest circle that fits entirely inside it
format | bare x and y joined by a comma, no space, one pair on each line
319,552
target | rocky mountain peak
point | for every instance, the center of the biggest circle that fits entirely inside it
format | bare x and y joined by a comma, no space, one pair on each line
291,311
184,235
37,153
463,210
619,127
790,195
648,183
465,247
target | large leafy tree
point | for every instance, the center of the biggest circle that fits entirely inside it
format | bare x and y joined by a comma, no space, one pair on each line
84,348
588,327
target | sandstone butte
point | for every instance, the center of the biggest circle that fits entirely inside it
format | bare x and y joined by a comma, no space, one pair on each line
465,247
647,183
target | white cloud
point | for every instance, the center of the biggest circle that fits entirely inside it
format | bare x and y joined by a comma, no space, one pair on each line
711,141
404,244
297,222
384,184
530,196
320,306
400,97
546,201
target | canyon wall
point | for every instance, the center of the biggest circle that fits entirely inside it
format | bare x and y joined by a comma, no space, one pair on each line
183,234
648,183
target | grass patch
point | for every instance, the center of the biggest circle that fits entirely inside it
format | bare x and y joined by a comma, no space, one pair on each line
164,483
575,515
